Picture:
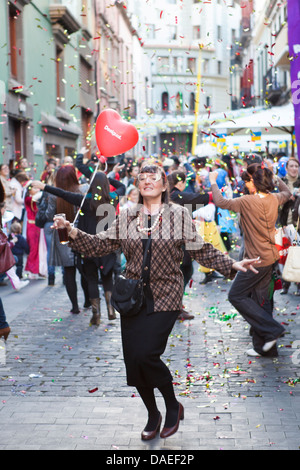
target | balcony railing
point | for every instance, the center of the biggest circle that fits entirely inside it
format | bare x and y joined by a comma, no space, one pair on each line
273,88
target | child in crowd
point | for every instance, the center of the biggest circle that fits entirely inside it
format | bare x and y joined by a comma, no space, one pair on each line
19,246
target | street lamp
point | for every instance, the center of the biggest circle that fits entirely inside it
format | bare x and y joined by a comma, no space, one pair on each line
197,101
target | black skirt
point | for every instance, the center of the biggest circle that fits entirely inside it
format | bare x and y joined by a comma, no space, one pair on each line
144,340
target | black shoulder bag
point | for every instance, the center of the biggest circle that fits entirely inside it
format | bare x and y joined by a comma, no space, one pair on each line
128,294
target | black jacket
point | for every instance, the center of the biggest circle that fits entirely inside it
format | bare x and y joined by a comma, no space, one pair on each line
194,199
87,221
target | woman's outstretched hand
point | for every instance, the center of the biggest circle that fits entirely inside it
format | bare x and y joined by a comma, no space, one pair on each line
61,222
246,264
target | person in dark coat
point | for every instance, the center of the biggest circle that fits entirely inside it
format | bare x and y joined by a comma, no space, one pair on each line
191,200
97,195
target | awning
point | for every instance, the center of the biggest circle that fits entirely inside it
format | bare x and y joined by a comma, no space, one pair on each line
244,143
280,117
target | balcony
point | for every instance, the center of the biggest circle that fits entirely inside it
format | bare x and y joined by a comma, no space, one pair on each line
274,91
236,52
60,15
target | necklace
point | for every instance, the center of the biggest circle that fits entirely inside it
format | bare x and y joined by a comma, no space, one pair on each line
151,229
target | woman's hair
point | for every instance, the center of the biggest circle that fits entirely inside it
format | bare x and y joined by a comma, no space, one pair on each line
2,192
263,180
174,178
66,179
154,168
247,174
292,159
21,176
2,165
99,191
262,177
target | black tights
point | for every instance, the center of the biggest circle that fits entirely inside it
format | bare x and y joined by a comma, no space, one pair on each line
172,405
89,280
71,286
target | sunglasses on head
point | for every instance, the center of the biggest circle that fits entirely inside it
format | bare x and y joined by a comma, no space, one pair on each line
153,177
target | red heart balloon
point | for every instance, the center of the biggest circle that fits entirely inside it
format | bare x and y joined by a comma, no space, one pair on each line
114,135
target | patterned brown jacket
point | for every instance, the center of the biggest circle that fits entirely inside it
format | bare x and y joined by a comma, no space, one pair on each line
175,231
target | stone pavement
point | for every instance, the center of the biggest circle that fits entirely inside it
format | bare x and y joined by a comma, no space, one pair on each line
63,383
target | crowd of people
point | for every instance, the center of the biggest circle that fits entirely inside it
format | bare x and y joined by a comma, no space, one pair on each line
30,204
231,202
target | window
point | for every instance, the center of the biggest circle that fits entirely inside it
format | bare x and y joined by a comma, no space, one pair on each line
233,36
132,108
191,64
219,67
59,63
179,102
165,101
17,133
219,34
53,150
86,119
192,102
196,32
180,63
163,62
150,31
13,15
175,64
172,32
206,66
85,76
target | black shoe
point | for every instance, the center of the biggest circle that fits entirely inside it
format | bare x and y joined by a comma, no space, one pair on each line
184,315
216,275
284,291
51,280
208,278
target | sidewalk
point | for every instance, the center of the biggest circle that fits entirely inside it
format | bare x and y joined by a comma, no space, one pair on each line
64,387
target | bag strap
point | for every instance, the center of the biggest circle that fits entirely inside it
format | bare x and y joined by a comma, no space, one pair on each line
145,254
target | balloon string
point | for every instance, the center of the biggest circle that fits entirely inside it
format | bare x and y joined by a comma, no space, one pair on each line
91,180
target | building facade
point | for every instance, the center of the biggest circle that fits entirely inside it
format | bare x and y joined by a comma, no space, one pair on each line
184,42
64,62
49,79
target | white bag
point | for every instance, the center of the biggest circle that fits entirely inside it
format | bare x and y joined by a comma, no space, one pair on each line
43,265
291,270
